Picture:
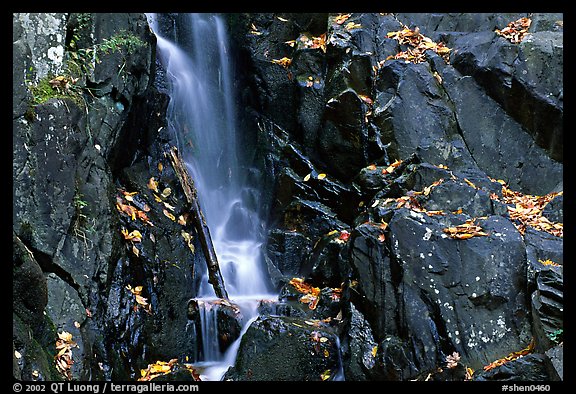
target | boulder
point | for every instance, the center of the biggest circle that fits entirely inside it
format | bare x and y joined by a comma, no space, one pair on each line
276,348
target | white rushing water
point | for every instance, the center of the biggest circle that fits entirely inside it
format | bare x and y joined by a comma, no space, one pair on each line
201,115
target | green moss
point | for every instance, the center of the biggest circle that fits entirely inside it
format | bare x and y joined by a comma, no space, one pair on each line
43,91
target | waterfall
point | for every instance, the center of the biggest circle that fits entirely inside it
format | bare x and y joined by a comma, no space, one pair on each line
202,117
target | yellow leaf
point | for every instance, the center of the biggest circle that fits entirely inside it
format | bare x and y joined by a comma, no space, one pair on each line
375,203
366,99
166,192
470,183
135,250
341,18
152,184
326,375
138,289
62,351
160,167
284,62
187,237
352,25
307,177
141,300
321,176
374,350
181,220
169,215
65,336
333,232
17,354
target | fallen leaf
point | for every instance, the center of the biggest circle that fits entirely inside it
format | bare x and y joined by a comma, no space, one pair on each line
341,18
284,62
321,176
374,351
170,207
135,250
169,215
352,25
515,31
166,192
344,236
307,177
381,238
366,99
452,360
134,236
282,19
512,356
326,374
549,263
152,184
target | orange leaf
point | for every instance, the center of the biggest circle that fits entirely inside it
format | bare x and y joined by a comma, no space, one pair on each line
341,18
284,62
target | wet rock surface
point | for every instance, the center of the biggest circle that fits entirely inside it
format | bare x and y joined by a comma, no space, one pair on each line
388,184
419,147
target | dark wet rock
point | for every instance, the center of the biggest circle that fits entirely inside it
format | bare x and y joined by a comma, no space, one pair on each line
498,145
542,247
287,250
530,368
358,347
555,362
311,218
474,198
417,283
29,291
548,307
325,305
417,119
530,72
554,210
297,176
36,361
296,350
343,137
327,263
227,317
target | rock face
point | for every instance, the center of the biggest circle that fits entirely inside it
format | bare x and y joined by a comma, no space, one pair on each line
87,122
378,161
414,199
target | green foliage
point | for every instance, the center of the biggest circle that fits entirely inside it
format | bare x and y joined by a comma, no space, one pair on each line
43,91
121,42
557,336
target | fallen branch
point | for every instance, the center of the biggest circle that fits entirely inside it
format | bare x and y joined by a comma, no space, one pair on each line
214,275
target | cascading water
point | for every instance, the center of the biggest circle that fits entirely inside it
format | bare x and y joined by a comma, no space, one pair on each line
201,116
